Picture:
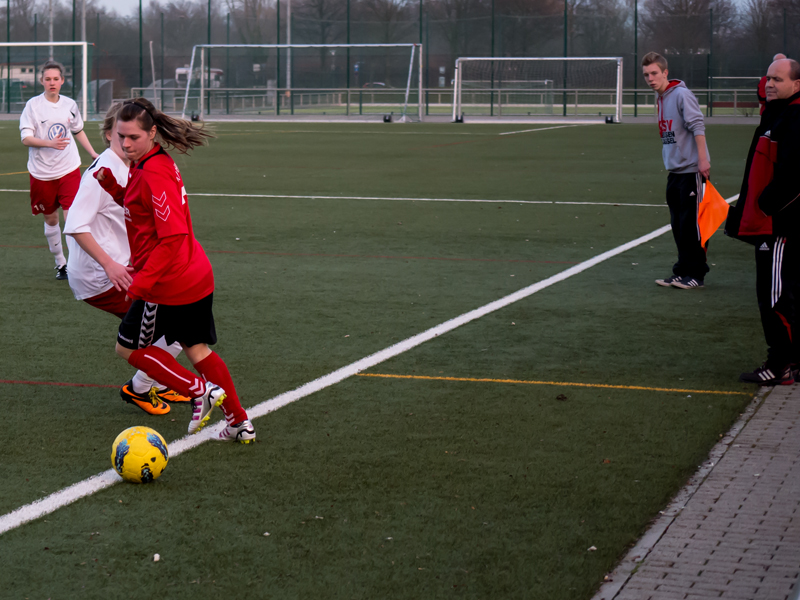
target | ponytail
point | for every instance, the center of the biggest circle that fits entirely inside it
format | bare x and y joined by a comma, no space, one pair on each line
176,133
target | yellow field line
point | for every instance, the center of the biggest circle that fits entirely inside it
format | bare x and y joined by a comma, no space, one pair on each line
562,383
17,173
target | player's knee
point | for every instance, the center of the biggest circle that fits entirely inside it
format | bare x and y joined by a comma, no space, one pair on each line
197,353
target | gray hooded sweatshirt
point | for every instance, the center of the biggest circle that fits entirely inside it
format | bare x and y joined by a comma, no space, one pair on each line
679,120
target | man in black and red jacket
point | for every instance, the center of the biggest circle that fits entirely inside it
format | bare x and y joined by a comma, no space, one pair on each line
767,215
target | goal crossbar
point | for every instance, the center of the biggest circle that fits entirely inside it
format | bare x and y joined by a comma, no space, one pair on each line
84,46
415,49
458,80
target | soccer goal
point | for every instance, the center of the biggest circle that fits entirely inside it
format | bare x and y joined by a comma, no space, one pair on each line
564,88
304,80
20,66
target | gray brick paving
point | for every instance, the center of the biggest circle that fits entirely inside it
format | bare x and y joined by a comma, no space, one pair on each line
738,535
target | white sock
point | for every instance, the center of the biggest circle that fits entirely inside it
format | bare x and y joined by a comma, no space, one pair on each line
141,382
53,235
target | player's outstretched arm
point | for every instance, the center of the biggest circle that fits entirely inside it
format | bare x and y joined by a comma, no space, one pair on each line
107,181
120,275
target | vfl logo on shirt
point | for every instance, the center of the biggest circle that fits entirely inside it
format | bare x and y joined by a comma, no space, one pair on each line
162,209
57,131
127,214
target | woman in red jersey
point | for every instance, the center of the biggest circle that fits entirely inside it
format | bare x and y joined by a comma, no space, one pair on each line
173,282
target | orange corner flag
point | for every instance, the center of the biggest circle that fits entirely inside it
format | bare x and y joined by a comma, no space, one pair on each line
713,211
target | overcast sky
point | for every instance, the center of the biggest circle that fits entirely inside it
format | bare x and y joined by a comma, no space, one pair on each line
123,7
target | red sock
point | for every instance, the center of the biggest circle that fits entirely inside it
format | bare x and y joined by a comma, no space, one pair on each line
214,369
162,366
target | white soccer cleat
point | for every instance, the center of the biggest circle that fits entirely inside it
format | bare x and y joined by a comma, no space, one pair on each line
203,405
242,432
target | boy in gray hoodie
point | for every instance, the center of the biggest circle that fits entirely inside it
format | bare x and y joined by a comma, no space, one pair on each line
685,154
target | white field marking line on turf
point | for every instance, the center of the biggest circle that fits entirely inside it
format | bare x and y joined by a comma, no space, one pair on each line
96,483
479,201
545,128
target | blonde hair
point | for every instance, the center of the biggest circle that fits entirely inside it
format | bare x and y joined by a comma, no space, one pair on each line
109,121
176,133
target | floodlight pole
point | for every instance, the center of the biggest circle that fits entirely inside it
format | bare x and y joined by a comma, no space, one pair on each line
35,49
141,49
208,67
73,49
8,54
635,58
288,42
50,31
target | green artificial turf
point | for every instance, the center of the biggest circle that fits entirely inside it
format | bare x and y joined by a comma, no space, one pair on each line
395,488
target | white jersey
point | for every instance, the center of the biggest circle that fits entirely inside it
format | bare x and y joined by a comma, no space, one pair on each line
94,211
47,120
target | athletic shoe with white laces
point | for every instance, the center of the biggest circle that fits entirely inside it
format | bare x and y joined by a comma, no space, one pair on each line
766,376
61,272
203,405
242,432
687,283
667,281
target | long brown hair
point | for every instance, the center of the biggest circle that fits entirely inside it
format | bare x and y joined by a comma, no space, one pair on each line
176,133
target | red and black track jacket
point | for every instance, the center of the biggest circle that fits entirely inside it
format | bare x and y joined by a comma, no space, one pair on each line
768,201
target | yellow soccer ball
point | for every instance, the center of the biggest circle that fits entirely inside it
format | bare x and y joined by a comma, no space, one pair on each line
139,454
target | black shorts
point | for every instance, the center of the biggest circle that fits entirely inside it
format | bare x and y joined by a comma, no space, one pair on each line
188,324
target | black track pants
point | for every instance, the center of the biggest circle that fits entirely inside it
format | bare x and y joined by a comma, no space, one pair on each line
777,279
684,202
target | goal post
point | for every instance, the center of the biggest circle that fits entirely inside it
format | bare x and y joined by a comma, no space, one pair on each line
338,98
587,87
22,69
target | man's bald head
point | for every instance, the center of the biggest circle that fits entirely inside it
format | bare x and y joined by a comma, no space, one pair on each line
778,56
783,79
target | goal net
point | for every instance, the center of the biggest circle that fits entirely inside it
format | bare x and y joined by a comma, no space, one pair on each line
536,88
301,80
21,66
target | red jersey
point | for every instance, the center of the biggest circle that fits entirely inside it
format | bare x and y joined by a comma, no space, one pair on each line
169,264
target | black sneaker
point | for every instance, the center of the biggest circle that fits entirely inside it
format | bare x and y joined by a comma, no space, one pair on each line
667,281
61,272
687,283
765,376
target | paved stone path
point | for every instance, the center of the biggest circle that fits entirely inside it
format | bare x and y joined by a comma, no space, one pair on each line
738,536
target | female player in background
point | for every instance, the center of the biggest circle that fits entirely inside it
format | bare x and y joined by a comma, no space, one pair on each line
49,125
173,282
99,255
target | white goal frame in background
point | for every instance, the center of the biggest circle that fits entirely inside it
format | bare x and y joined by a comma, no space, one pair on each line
458,83
84,46
415,49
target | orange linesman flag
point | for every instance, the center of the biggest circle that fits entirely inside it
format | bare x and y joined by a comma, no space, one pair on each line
713,211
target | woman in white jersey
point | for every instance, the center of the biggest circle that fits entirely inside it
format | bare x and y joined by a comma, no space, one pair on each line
49,126
99,255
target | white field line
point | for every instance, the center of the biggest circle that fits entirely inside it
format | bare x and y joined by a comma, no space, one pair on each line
387,199
545,128
382,198
53,502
